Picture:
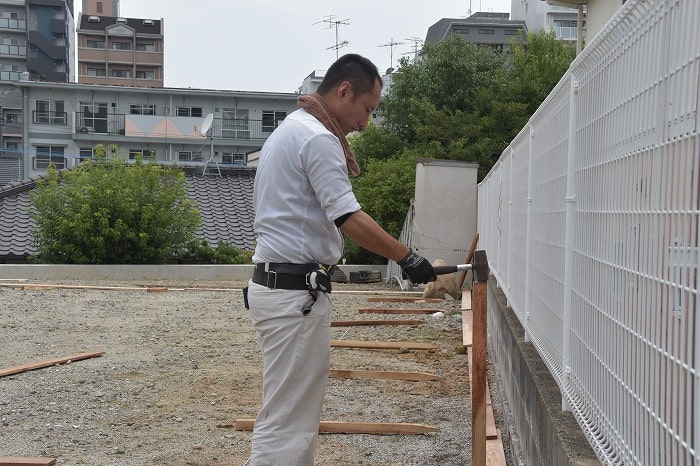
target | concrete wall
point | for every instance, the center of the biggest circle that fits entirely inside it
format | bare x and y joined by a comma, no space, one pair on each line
541,433
445,209
204,273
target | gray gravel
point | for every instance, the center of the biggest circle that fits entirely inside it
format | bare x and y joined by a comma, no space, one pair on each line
181,366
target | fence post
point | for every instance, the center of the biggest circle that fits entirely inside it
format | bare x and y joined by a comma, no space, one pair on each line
568,243
481,277
528,231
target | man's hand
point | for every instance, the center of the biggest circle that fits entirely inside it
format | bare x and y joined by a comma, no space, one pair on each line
417,268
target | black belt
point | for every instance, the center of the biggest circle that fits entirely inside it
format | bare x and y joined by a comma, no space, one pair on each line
283,275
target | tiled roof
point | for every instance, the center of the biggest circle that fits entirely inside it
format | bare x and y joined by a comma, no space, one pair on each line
225,203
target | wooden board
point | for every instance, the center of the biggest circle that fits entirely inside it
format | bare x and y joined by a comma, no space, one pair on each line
491,430
397,345
381,310
369,323
341,427
467,327
386,375
469,361
495,455
466,300
49,363
403,299
26,461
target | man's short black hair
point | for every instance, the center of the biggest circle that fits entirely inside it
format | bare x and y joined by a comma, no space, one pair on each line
359,71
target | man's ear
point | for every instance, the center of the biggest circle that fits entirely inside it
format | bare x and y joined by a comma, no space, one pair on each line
344,90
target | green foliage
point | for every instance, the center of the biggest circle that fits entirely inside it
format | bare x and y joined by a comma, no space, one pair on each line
107,212
199,252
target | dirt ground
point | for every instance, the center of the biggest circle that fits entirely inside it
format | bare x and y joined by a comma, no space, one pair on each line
182,365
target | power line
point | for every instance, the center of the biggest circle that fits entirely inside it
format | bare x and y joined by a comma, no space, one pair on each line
333,22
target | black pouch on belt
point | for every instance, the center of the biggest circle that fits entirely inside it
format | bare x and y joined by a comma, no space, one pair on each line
319,279
245,297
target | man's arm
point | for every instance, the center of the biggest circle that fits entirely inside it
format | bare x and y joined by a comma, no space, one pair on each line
363,230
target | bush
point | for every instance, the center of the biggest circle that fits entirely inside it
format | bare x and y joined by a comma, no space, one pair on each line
202,253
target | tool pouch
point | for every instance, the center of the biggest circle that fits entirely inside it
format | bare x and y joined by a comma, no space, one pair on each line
245,297
319,279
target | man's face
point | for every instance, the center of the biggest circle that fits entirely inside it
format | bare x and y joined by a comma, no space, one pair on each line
356,109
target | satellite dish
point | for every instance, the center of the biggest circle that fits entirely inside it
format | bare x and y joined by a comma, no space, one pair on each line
206,124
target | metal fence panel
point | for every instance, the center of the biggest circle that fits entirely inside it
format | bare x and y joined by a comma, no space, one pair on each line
604,275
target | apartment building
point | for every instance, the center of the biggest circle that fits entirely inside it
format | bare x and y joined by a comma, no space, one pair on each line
483,28
540,15
65,121
37,38
114,50
101,7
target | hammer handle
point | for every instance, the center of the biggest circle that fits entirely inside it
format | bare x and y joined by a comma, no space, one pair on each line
445,269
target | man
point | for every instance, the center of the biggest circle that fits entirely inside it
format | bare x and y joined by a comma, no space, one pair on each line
303,201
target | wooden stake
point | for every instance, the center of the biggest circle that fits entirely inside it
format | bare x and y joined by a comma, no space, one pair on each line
478,386
49,363
386,375
369,323
341,427
397,345
26,461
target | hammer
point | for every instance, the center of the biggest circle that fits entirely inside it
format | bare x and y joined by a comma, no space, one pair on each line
445,269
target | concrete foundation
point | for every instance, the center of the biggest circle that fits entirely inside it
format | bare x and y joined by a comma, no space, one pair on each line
541,434
204,273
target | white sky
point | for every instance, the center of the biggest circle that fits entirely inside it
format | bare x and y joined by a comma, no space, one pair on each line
272,45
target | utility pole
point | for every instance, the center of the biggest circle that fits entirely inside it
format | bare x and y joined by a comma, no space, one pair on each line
333,22
391,44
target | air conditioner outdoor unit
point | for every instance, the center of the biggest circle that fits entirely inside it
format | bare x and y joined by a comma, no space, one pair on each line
86,129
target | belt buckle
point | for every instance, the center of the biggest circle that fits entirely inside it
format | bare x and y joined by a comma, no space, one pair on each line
272,273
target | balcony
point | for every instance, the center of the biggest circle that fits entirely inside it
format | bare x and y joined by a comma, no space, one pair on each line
13,24
13,51
88,122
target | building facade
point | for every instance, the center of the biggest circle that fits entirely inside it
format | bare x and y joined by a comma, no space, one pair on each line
64,122
37,38
118,51
484,28
101,7
539,15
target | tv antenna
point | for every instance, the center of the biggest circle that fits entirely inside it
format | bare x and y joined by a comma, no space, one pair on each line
206,129
333,22
391,44
417,43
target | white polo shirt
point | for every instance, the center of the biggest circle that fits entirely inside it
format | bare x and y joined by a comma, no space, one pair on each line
301,187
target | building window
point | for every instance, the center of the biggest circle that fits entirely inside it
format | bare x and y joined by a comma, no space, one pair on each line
11,118
234,123
271,119
145,46
146,154
121,73
93,117
511,32
99,7
121,45
46,155
489,32
86,153
96,71
50,112
12,147
140,109
188,111
237,160
145,74
188,156
95,44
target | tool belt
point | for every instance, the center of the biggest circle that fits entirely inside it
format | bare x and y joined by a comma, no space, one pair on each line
290,276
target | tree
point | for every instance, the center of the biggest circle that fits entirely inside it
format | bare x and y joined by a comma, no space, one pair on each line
108,212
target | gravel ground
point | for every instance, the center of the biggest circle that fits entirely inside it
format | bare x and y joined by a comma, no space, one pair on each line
181,366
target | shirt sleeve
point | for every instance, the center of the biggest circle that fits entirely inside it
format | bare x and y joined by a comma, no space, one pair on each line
323,160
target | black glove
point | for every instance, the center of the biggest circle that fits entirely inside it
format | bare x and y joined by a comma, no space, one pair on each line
417,268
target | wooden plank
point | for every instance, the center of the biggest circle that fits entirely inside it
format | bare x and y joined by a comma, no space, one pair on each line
26,461
369,323
381,310
488,391
386,375
398,345
467,328
49,363
342,427
479,374
495,454
156,289
36,287
491,430
402,299
466,300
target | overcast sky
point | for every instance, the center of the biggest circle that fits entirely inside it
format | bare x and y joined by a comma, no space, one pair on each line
272,45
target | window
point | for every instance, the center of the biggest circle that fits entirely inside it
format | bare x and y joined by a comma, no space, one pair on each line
234,123
12,147
46,155
141,109
121,45
489,32
91,71
95,44
237,160
85,153
93,19
145,74
117,73
145,46
148,22
99,7
147,154
271,119
11,118
189,111
93,117
50,112
188,156
511,32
